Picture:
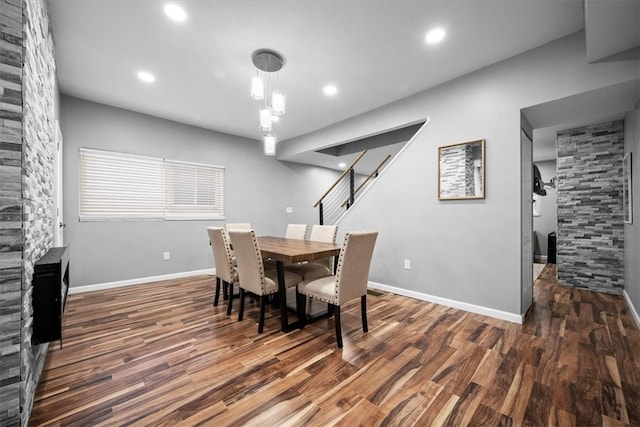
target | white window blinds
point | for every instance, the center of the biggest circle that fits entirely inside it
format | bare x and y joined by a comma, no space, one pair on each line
120,186
117,186
193,191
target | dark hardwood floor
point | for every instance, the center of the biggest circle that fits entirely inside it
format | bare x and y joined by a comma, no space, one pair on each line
161,355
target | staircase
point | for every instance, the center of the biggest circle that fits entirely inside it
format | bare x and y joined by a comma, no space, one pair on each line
343,192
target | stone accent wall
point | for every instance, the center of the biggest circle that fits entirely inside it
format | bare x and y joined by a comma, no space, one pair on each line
37,178
10,208
27,85
590,240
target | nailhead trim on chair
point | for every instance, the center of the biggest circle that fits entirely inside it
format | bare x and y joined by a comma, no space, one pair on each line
339,268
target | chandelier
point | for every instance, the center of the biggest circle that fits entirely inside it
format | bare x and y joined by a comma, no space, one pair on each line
263,89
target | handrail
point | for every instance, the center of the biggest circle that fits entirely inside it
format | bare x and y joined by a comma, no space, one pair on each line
375,171
346,171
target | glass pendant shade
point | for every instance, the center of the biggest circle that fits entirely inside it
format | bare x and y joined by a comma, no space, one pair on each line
266,124
269,145
278,102
257,87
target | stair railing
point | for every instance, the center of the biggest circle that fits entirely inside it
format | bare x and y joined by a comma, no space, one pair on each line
329,204
373,174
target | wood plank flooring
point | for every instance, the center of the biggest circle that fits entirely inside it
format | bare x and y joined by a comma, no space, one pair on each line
161,355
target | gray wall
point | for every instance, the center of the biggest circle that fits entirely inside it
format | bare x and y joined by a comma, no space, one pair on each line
455,246
547,221
632,231
257,190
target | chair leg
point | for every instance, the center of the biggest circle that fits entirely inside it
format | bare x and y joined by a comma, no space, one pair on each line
241,309
225,294
336,309
217,297
301,308
263,304
363,309
230,294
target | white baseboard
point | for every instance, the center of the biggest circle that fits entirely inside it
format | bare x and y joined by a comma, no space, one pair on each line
485,311
634,312
137,281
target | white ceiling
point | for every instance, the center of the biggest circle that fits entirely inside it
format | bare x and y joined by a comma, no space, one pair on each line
374,51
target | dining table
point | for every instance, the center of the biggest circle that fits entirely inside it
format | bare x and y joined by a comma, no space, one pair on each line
284,250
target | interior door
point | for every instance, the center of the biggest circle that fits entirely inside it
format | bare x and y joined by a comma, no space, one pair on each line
526,212
58,221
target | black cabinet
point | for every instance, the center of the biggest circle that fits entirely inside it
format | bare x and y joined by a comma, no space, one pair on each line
50,287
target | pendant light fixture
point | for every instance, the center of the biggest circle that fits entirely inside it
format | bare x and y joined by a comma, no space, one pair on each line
269,145
267,62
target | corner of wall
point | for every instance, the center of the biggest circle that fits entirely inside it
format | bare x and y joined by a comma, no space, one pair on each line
38,121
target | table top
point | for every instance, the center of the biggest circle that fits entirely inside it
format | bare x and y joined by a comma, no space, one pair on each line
295,250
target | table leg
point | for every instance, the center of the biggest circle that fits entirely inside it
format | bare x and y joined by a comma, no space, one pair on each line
285,326
282,290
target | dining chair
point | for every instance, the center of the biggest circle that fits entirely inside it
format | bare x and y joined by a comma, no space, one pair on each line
225,270
349,282
296,231
251,273
320,267
237,226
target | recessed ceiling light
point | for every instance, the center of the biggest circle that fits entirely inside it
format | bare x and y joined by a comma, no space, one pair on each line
435,36
146,77
342,165
175,12
330,90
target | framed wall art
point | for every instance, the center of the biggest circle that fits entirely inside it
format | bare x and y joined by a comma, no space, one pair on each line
461,171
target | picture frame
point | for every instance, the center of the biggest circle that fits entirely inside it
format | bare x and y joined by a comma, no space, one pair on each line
461,171
627,190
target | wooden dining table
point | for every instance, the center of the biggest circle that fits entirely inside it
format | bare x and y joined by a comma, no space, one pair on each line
283,251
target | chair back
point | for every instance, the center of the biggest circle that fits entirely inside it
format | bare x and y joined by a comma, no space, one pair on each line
296,231
237,226
324,233
248,260
352,275
327,234
221,253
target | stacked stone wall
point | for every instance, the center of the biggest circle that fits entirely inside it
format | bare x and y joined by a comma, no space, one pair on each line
10,208
27,129
590,240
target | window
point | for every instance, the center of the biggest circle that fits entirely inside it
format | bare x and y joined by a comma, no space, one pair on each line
193,191
117,186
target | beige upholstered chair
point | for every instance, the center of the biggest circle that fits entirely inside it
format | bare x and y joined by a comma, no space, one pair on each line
350,281
321,267
225,270
237,226
251,272
296,231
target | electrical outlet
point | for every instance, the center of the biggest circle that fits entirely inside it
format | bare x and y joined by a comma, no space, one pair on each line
407,264
166,256
288,209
